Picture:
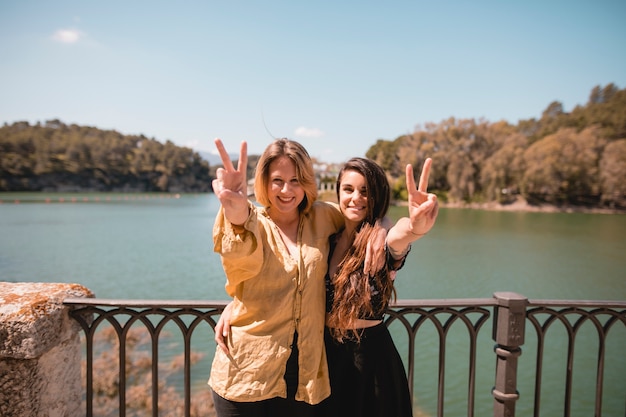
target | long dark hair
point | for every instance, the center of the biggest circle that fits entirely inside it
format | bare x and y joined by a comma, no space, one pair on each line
352,295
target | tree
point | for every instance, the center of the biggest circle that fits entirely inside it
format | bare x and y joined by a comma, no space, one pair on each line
563,168
501,173
613,173
461,177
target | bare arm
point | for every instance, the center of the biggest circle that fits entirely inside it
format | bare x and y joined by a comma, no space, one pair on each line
423,210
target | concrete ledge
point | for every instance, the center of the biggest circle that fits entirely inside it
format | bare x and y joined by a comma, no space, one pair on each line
33,318
40,354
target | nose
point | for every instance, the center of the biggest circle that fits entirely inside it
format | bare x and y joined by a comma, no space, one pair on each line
357,196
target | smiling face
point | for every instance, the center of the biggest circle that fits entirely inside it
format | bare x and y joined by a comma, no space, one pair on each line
283,188
362,191
353,197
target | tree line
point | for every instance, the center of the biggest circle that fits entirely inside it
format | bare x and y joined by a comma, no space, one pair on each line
563,158
54,156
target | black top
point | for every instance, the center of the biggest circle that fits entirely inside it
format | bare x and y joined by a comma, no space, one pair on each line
378,304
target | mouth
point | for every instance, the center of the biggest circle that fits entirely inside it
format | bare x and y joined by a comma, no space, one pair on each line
286,200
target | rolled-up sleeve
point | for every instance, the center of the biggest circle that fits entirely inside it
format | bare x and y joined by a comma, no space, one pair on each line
241,254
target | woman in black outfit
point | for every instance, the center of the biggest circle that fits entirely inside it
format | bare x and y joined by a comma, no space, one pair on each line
367,376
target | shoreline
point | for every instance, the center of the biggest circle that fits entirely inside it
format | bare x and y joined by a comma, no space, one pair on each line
522,205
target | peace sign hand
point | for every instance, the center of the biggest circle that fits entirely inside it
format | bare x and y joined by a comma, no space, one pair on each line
230,184
423,206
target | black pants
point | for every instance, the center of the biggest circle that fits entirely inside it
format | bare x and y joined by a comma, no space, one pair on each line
273,407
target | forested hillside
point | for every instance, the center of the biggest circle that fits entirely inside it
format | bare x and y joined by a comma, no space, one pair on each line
57,157
576,158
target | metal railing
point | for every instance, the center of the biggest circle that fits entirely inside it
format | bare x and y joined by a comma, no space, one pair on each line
509,312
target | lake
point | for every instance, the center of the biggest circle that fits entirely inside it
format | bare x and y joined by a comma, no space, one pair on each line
159,246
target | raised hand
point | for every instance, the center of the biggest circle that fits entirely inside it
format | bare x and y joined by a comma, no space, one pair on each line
423,206
230,184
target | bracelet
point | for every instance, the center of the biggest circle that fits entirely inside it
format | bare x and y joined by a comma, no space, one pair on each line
418,234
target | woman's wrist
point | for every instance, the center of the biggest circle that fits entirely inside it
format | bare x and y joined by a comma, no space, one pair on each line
399,254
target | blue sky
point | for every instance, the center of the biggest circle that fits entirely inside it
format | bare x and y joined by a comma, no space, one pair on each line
334,75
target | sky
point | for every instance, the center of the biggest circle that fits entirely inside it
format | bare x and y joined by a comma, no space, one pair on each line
334,75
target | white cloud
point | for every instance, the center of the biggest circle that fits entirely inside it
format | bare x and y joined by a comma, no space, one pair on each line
67,35
308,132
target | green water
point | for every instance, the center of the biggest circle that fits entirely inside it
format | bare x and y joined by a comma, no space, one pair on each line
474,253
160,247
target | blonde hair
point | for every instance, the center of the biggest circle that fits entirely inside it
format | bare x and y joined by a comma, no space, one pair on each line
304,171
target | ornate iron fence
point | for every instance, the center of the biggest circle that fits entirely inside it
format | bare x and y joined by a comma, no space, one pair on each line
509,312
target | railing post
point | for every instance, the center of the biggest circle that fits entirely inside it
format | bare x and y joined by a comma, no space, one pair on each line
508,333
39,351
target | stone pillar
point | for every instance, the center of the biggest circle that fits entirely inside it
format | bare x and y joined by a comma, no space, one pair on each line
40,356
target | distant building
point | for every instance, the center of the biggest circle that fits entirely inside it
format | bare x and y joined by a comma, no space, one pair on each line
326,177
326,186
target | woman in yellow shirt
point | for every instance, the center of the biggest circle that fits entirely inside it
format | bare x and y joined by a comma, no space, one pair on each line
275,259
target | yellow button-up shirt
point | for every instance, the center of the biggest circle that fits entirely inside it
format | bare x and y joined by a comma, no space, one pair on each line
274,295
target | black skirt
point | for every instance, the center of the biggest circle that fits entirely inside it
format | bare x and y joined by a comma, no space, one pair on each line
367,378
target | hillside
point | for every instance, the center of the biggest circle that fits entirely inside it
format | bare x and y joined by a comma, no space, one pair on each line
54,156
571,159
575,159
